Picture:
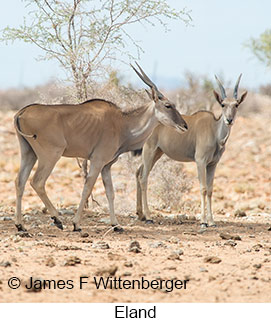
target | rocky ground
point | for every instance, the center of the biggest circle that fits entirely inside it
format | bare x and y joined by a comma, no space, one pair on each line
230,263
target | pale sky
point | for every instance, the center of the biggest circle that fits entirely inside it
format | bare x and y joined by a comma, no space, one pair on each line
213,45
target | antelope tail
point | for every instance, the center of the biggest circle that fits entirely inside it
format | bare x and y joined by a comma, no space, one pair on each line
17,125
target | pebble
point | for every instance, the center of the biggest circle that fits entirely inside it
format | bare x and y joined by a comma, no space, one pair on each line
126,273
175,255
190,233
115,256
100,245
212,260
65,212
5,264
128,264
228,236
105,220
257,266
157,244
16,239
50,262
240,214
230,243
107,271
84,235
203,270
134,247
257,247
28,217
5,218
24,234
72,261
174,240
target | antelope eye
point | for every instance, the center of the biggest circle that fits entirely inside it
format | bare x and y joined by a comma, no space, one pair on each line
168,106
223,105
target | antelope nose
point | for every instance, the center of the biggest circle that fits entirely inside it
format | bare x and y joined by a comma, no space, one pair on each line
229,120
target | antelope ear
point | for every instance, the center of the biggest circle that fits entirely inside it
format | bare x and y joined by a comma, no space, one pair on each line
149,94
242,98
154,95
218,97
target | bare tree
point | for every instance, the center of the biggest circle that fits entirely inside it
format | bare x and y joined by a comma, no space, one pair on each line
85,35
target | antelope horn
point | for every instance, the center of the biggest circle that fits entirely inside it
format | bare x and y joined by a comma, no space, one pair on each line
235,92
222,90
147,80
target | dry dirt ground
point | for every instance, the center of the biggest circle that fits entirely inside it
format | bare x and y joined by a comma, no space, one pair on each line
173,248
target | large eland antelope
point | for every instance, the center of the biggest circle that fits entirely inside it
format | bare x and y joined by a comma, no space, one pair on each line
96,130
203,143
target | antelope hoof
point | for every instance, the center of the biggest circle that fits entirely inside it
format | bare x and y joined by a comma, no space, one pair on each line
20,228
149,221
204,225
141,216
76,228
118,229
57,222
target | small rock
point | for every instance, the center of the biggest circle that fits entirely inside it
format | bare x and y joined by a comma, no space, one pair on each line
107,271
203,270
211,278
66,212
134,247
190,233
100,245
179,252
50,262
202,230
84,235
257,247
86,241
240,214
40,234
257,266
16,239
28,218
174,240
115,256
72,261
171,268
126,274
24,234
212,260
230,243
269,229
174,256
157,244
128,264
105,220
5,264
5,218
228,236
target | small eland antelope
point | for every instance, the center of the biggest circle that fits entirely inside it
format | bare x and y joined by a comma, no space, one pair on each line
96,130
203,143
